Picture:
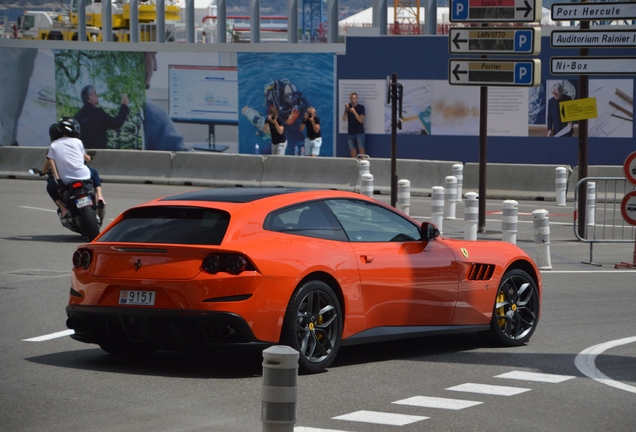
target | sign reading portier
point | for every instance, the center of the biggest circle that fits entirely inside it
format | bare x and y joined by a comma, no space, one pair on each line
513,73
593,65
593,11
494,40
495,11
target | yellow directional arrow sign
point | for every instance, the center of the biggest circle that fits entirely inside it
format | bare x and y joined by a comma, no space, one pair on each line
578,109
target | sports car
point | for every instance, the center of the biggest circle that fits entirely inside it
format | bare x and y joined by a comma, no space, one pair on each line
235,268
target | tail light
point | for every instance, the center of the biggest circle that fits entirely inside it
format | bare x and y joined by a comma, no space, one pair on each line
229,263
77,185
82,258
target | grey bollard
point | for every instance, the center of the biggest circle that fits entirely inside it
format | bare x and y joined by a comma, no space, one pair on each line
437,207
458,173
450,197
366,187
541,224
404,196
509,221
561,185
279,392
471,215
591,204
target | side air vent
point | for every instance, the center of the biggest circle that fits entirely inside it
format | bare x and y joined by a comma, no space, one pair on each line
481,271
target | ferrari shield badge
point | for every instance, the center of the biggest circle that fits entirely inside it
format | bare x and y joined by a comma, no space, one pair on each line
464,252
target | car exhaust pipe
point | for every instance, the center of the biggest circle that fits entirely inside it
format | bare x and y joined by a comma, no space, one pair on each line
208,329
227,331
76,323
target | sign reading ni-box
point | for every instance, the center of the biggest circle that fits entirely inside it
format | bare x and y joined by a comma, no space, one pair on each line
495,11
494,40
514,73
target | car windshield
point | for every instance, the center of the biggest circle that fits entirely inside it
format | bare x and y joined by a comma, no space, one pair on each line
171,225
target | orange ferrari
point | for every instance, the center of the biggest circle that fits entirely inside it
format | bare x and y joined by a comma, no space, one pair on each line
313,269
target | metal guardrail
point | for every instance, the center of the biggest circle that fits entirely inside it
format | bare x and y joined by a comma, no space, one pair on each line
604,221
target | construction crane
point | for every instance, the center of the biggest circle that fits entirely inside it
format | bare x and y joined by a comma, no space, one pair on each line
314,19
406,17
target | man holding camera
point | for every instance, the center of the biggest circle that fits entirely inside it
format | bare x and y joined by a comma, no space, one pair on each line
354,115
277,132
314,139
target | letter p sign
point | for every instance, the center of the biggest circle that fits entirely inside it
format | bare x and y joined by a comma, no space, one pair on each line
523,73
459,10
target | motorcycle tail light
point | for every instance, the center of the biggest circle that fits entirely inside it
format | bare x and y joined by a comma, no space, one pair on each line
230,263
77,185
82,258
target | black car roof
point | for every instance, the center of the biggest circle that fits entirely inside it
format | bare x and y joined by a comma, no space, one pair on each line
230,194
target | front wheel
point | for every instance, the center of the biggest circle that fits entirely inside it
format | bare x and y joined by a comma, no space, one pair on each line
516,310
89,219
313,326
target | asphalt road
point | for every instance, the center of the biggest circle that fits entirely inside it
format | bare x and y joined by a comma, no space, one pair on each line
584,350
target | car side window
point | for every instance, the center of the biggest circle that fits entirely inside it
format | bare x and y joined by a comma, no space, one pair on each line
312,219
364,221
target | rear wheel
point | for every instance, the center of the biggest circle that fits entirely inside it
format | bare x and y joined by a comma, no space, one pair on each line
89,219
516,310
313,326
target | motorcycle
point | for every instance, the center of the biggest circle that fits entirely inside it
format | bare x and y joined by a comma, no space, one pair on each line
79,197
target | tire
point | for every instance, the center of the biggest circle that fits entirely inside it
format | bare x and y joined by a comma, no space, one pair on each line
89,219
516,310
126,349
313,326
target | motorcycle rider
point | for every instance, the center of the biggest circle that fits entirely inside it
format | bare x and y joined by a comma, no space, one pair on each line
67,158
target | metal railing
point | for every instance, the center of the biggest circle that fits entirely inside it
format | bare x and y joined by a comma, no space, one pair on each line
604,221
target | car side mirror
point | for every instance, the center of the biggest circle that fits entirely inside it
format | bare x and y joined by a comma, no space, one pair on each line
428,231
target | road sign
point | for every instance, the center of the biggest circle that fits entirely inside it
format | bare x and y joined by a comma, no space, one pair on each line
578,109
593,11
628,208
593,65
514,73
494,40
593,38
629,168
495,11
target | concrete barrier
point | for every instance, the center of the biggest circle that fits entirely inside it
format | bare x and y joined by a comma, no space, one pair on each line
216,169
296,171
15,162
129,166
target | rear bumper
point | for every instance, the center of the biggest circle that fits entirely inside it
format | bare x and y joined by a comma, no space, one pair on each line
177,330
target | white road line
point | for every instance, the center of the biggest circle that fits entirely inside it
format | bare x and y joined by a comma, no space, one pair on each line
586,271
50,336
376,417
37,208
310,429
489,389
535,376
585,363
435,402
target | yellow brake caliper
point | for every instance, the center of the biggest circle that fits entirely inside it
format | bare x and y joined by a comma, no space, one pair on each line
319,321
500,298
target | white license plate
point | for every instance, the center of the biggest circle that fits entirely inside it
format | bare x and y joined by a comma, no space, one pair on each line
144,298
83,201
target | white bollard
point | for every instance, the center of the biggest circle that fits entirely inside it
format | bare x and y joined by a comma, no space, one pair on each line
591,204
279,392
437,207
404,196
450,197
561,184
364,167
471,215
509,221
458,173
541,224
366,187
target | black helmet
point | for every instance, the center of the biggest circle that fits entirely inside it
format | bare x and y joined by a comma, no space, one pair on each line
68,126
54,133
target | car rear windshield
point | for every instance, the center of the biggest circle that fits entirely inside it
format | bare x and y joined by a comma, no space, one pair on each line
172,225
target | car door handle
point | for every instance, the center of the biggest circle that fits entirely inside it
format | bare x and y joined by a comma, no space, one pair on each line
366,259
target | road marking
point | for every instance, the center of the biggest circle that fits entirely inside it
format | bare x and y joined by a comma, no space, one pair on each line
585,363
586,271
37,208
310,429
435,402
489,389
535,376
383,418
50,336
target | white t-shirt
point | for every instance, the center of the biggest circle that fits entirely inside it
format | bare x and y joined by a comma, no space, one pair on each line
68,154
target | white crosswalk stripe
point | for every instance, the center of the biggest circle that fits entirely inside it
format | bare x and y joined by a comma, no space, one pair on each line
383,418
535,376
489,389
436,402
310,429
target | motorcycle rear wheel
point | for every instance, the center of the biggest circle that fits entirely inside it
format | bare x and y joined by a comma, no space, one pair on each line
89,218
